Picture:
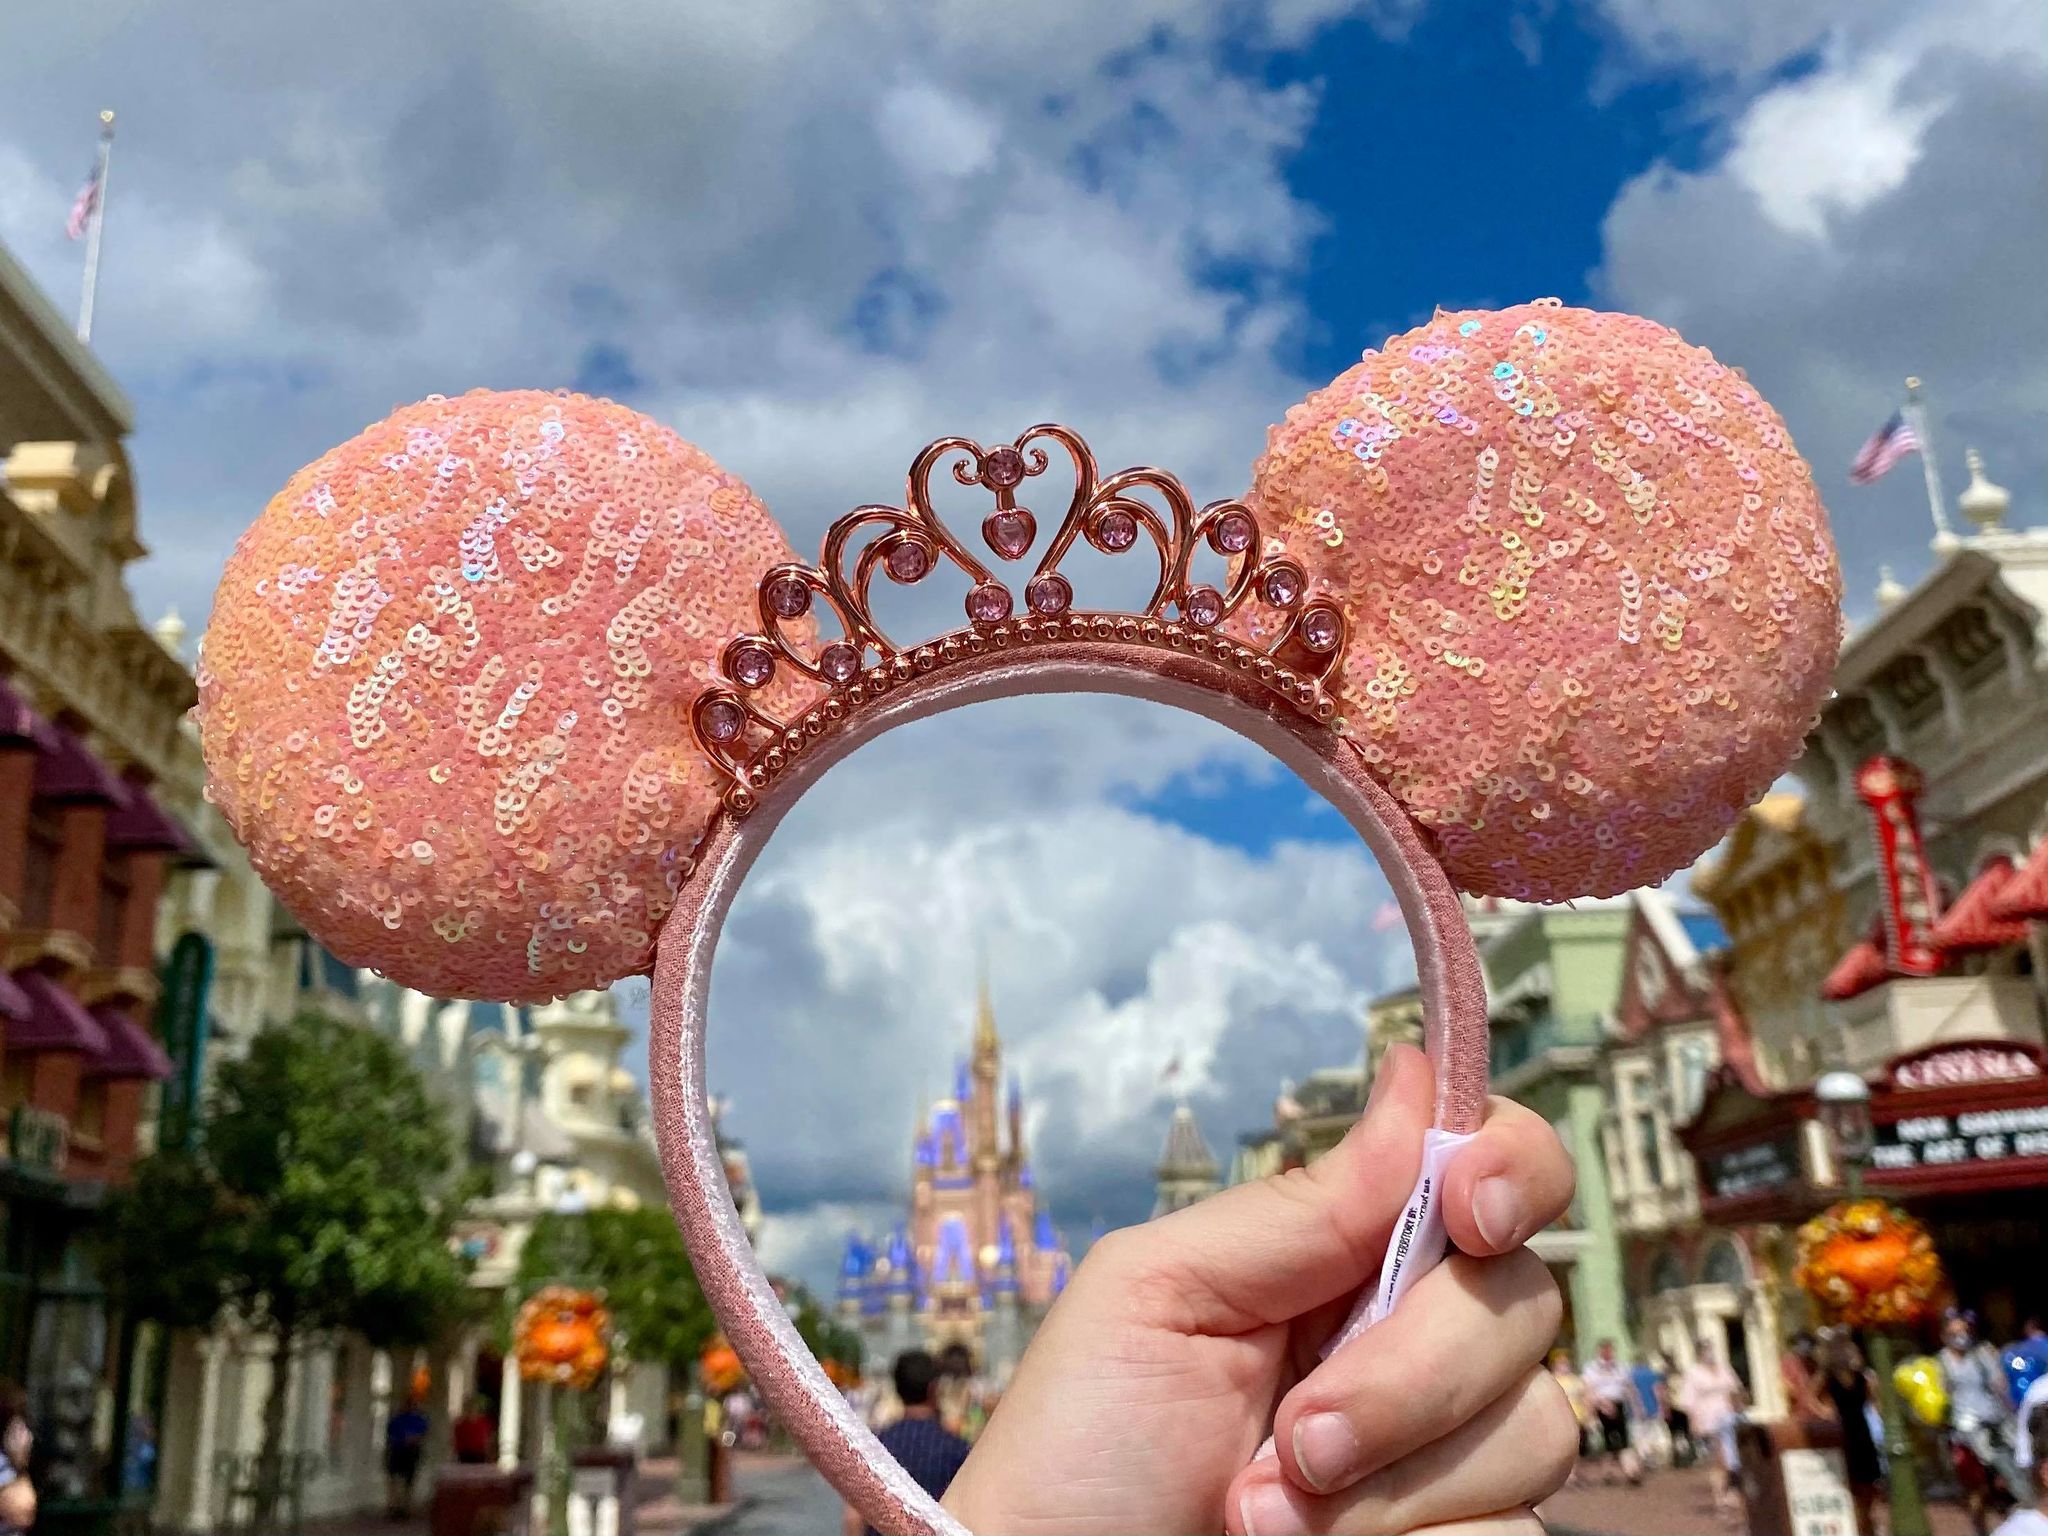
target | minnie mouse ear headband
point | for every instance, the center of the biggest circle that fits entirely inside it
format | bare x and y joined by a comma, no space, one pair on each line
505,694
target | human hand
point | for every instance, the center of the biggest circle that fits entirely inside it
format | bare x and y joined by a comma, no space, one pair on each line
1156,1376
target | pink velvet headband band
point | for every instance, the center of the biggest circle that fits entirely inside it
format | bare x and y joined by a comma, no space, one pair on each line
510,689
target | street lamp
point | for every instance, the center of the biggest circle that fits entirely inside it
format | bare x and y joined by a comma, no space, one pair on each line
1844,1106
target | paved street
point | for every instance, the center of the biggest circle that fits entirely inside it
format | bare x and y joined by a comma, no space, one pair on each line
778,1496
1672,1503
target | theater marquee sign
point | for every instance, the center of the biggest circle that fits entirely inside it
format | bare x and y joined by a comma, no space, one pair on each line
1951,1120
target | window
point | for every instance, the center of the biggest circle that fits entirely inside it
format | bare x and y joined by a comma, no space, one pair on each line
39,868
89,1115
1641,1125
113,911
1694,1061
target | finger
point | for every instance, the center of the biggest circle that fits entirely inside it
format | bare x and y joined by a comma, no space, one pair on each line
1515,1452
1360,1411
1266,1252
1513,1180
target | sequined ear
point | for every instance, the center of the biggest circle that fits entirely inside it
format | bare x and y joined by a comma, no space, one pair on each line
1594,602
443,695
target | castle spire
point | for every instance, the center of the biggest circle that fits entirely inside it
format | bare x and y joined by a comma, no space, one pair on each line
987,1045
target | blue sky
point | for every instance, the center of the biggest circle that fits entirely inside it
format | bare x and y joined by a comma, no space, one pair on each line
812,237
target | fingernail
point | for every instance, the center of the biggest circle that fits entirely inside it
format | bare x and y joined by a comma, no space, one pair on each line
1497,1211
1265,1510
1325,1449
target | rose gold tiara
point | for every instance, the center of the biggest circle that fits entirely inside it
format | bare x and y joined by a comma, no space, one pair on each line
752,746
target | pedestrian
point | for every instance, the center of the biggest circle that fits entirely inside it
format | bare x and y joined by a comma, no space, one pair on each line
1979,1412
2030,1517
473,1436
405,1436
1712,1396
1800,1369
1569,1382
1848,1387
1607,1388
1684,1448
931,1453
1649,1413
17,1448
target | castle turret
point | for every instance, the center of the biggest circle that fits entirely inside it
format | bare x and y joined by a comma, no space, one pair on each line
1187,1169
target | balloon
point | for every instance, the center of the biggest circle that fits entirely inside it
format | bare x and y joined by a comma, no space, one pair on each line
2025,1363
1919,1385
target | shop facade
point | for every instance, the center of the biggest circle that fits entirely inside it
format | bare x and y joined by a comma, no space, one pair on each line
98,781
1552,977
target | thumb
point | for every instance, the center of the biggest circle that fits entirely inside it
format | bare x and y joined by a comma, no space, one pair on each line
1266,1252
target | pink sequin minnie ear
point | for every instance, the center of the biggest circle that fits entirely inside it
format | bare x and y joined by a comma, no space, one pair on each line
1594,602
443,696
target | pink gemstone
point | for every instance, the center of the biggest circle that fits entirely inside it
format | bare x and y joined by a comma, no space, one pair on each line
1003,468
789,597
838,662
751,665
1319,629
988,603
1232,533
721,719
1009,531
909,561
1204,607
1050,595
1282,586
1116,530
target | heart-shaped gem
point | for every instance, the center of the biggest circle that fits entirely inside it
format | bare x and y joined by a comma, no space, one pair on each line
1009,531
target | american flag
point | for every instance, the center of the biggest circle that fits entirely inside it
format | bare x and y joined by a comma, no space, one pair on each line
1888,444
82,205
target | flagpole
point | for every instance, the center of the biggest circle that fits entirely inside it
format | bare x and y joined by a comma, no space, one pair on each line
1944,536
97,221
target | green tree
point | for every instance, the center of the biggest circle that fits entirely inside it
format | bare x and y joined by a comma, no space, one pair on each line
637,1258
320,1197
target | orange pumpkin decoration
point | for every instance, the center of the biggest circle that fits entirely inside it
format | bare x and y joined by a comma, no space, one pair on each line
563,1336
723,1368
1869,1265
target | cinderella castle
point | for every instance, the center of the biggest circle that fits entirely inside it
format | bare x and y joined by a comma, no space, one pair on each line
976,1260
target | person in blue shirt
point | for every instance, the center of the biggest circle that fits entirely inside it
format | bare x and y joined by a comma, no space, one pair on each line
1648,1407
405,1436
931,1453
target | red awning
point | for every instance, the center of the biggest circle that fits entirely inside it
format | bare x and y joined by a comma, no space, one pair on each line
139,823
1971,924
1864,967
57,1021
67,770
14,1003
2025,895
131,1052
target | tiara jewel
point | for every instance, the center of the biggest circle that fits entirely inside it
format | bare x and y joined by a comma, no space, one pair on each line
907,544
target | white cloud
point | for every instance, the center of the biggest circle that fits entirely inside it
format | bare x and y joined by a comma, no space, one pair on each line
1830,144
1867,219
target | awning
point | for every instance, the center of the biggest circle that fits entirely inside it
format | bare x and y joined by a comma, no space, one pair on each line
140,825
130,1053
57,1021
14,1003
1970,925
2026,894
1527,990
18,723
67,770
1862,968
